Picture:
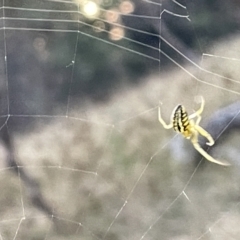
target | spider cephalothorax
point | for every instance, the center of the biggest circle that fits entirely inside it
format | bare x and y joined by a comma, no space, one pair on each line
184,124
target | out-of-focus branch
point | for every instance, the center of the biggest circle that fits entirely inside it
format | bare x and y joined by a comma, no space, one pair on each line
221,124
32,187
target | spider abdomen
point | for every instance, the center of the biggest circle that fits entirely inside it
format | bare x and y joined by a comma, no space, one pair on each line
180,120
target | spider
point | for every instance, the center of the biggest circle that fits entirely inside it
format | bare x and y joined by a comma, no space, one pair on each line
184,124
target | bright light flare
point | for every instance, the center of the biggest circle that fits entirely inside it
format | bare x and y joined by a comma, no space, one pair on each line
112,15
116,34
90,9
126,7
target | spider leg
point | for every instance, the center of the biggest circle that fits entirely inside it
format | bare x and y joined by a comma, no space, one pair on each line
207,156
205,134
198,120
167,126
199,111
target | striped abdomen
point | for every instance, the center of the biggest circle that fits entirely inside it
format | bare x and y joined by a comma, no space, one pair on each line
180,120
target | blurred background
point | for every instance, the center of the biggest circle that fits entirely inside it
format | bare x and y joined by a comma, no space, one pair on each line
82,154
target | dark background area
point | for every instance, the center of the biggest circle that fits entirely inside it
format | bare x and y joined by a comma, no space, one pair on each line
37,83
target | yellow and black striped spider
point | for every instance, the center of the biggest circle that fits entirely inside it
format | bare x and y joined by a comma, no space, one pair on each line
184,124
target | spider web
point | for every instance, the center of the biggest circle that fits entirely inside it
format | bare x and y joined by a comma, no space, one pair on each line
109,170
